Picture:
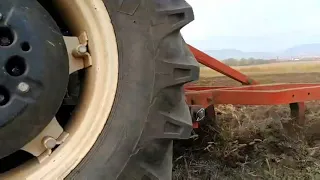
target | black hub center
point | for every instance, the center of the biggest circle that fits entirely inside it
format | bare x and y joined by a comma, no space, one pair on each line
34,72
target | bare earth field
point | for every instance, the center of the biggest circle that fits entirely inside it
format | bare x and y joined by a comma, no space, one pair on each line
263,78
254,142
274,68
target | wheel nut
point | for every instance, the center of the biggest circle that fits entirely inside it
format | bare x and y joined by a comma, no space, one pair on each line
201,114
23,87
15,71
49,142
5,41
82,49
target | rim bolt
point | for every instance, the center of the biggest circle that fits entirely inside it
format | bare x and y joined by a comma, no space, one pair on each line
23,87
1,16
82,49
49,142
5,41
15,71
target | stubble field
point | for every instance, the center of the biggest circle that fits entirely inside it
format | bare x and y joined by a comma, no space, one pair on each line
255,142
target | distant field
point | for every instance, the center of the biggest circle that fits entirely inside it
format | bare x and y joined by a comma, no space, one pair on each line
274,68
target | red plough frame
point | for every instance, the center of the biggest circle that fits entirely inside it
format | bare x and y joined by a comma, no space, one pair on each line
252,93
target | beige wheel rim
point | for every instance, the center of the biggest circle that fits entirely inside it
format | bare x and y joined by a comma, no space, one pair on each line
88,16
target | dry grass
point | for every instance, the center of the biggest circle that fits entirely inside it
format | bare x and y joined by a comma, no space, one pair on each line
274,68
263,78
253,142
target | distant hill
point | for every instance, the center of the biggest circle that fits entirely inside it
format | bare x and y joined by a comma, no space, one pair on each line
300,51
237,54
305,50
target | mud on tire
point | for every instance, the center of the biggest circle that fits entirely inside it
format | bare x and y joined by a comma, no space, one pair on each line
149,110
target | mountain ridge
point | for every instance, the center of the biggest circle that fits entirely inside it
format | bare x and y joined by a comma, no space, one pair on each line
299,51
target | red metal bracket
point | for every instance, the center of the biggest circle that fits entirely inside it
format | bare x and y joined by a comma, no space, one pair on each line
220,67
292,94
269,94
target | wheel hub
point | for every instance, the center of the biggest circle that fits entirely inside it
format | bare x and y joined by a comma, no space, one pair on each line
34,73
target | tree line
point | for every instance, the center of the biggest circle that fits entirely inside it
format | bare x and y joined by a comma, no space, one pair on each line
246,62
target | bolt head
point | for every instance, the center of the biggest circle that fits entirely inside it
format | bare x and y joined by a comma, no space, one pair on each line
15,71
49,142
5,41
82,49
201,114
23,87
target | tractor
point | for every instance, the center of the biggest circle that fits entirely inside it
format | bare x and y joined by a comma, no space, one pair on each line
98,89
92,89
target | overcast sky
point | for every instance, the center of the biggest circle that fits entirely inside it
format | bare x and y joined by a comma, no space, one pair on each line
253,25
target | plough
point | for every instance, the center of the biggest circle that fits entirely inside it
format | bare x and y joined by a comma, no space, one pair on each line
201,99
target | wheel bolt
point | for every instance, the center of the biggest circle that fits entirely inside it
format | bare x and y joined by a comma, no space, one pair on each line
5,41
15,71
1,16
82,49
23,87
49,142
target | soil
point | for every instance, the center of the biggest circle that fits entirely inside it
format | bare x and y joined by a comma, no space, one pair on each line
253,142
265,79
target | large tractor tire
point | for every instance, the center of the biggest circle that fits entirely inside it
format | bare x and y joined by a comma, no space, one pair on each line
131,104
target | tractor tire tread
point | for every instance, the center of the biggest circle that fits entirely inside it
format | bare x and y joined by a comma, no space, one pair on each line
143,147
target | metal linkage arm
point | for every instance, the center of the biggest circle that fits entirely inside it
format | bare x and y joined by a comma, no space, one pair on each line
220,67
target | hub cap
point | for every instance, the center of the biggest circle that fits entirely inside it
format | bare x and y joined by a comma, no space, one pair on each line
33,75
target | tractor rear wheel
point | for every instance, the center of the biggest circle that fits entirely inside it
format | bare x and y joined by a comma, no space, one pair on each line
131,103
